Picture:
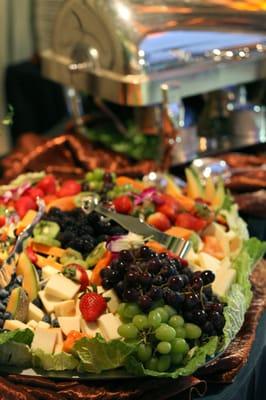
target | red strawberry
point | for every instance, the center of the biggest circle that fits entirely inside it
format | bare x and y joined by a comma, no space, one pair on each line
91,306
167,210
69,188
31,254
123,204
77,273
24,204
35,192
47,184
159,221
2,220
189,221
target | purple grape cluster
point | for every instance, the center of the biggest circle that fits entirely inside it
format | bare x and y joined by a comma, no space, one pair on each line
146,278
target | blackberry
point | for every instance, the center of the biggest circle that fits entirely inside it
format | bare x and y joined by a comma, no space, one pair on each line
117,230
84,244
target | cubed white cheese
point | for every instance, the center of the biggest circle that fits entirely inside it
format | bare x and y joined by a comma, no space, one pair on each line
61,287
44,325
225,263
58,348
113,302
35,313
65,308
49,302
32,324
44,339
77,307
109,324
89,273
100,290
13,324
223,281
89,328
48,272
206,261
68,324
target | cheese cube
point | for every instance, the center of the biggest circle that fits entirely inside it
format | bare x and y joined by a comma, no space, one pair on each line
61,287
13,324
65,308
59,338
35,313
58,348
100,290
68,324
48,272
43,324
89,273
49,302
109,323
89,328
206,261
32,324
44,339
223,281
113,302
78,312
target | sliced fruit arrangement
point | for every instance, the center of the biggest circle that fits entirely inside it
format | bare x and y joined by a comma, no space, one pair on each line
85,289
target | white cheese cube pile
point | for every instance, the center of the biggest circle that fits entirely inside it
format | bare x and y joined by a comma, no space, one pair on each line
61,287
44,339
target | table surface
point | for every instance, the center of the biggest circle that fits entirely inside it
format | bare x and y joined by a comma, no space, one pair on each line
249,384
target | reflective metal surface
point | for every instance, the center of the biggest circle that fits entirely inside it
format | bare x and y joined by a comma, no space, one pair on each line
124,51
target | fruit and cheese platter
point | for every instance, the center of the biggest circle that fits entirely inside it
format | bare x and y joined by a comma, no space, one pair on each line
84,296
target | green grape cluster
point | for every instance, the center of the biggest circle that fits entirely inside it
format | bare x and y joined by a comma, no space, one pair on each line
98,180
162,337
119,191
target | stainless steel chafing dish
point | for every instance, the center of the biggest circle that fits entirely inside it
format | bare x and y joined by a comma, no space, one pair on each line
131,52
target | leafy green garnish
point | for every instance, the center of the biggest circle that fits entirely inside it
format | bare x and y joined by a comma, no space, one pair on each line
15,354
202,210
19,336
97,355
54,362
228,200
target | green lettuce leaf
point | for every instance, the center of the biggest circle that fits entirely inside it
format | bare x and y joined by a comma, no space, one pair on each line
19,336
54,362
15,354
198,359
97,355
240,295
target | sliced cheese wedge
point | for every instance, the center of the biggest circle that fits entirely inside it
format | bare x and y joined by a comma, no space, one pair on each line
44,339
109,324
13,324
89,328
48,272
49,302
65,308
61,287
68,324
113,302
223,281
206,261
35,313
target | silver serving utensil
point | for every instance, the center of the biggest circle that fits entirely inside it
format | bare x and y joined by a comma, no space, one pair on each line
8,268
178,246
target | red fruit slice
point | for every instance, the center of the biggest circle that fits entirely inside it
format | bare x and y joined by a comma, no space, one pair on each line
24,204
47,184
189,221
159,221
35,192
167,210
92,306
123,204
69,188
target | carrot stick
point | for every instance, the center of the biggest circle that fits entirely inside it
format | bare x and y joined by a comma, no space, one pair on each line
101,264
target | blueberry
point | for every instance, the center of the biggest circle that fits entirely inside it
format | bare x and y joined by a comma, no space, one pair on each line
3,293
5,301
2,307
7,315
55,323
37,302
19,279
47,318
